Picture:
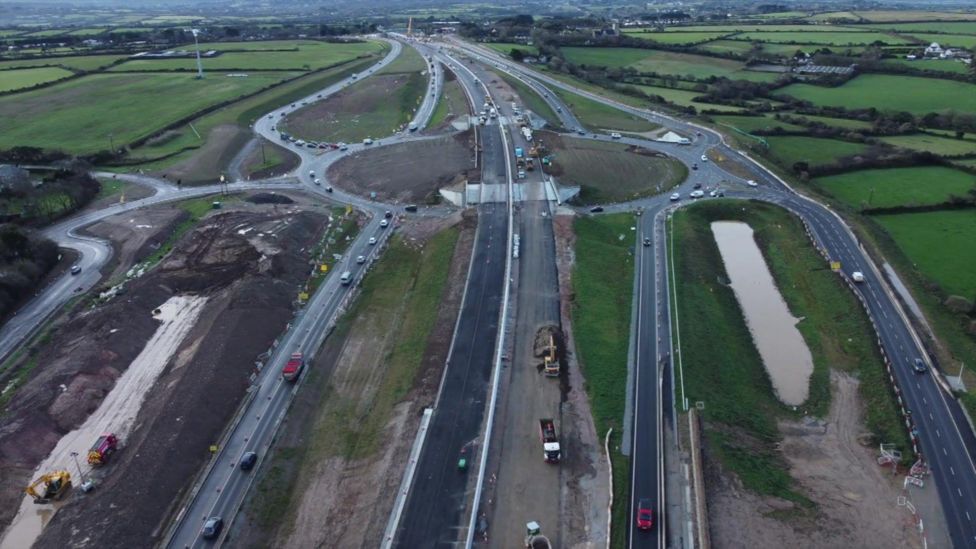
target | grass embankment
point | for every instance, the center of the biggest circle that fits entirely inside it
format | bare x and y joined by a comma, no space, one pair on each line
880,188
342,229
532,101
452,102
377,106
603,288
612,172
25,78
727,374
400,298
599,116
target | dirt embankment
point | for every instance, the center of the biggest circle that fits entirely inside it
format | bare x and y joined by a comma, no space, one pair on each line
408,172
250,280
325,496
855,498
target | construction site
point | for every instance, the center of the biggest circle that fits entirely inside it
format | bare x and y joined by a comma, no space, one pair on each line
122,416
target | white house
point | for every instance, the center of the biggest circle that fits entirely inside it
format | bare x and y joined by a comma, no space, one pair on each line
933,49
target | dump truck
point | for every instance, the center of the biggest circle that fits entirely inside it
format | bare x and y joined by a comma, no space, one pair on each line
550,442
293,368
104,447
51,486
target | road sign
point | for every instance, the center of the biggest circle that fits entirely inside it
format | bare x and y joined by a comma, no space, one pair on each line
303,296
835,266
324,268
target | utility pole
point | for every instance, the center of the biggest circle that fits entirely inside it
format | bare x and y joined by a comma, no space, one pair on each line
111,143
78,465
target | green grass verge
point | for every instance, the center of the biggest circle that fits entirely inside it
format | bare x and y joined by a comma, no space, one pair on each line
532,100
599,116
787,150
603,288
728,375
452,102
882,188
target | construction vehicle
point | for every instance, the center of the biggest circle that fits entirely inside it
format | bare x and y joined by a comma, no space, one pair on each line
550,364
550,442
529,164
534,538
519,153
293,368
104,447
55,486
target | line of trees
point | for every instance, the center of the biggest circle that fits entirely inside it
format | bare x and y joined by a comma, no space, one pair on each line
25,258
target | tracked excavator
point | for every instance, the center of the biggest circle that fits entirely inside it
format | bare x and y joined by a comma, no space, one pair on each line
51,486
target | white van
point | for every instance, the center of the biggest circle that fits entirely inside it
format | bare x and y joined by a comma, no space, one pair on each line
346,278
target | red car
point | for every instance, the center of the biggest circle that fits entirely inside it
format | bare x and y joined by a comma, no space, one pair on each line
645,516
293,368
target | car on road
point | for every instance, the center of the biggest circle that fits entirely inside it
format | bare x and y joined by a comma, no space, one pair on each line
410,208
384,223
343,147
388,214
361,259
317,181
372,240
581,131
647,241
675,197
697,194
697,185
521,174
919,366
248,460
328,189
559,109
270,115
645,515
596,209
694,166
615,135
367,141
212,528
75,269
311,173
717,192
704,158
752,183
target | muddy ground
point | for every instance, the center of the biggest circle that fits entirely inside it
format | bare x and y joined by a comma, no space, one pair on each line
855,498
251,165
209,161
250,301
337,495
408,172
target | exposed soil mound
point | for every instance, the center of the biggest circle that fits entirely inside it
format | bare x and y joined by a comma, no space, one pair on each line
269,198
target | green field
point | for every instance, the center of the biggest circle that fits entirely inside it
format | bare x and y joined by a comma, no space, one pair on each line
886,92
944,146
751,124
675,37
309,56
79,115
240,114
373,107
663,62
955,27
944,65
602,282
949,40
786,150
771,28
598,115
612,172
823,38
940,244
79,62
885,188
727,373
685,98
787,50
45,33
25,78
88,32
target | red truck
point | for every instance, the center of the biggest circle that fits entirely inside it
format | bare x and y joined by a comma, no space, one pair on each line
293,368
550,442
104,446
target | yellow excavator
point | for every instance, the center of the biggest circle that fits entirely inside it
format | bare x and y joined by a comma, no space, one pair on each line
51,486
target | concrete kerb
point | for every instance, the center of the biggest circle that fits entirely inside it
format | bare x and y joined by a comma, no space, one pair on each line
394,521
626,441
606,449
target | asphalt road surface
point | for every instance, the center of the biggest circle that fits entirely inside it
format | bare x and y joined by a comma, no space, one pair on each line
945,440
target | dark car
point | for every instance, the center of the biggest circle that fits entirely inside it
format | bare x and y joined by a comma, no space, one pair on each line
647,241
328,189
212,528
410,207
596,209
248,460
919,366
645,515
694,166
388,214
697,185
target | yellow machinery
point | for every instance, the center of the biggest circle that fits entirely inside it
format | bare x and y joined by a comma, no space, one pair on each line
550,362
51,486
